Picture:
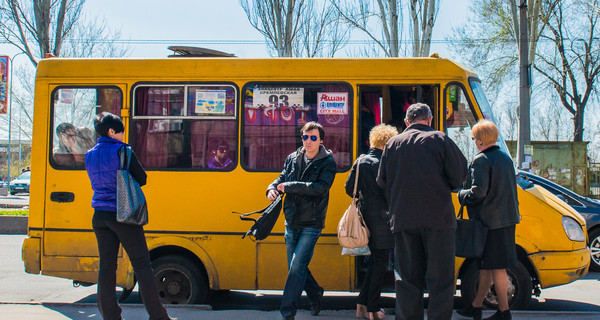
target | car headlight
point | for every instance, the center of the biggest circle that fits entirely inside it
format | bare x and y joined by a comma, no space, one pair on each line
573,229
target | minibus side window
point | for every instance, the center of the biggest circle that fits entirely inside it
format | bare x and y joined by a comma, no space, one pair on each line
185,126
73,113
274,114
460,118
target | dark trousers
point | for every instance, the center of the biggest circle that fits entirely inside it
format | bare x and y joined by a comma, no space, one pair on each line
300,243
371,288
109,235
424,257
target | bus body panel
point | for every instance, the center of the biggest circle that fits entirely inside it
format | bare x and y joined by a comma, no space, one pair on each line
197,212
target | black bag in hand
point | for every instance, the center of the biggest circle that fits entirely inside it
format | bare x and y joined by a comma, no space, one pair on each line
470,237
264,224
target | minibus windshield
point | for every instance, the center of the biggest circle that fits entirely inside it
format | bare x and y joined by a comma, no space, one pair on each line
486,109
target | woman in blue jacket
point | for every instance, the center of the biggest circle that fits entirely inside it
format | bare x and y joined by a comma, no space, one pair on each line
102,163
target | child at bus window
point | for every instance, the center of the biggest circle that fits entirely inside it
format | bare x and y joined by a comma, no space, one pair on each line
220,155
73,143
101,164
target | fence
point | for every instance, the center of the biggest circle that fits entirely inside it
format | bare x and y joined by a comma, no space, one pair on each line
594,180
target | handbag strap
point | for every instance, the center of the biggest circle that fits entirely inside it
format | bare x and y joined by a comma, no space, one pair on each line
460,212
124,156
356,177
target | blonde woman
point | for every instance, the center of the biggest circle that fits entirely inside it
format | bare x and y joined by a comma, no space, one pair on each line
490,195
374,209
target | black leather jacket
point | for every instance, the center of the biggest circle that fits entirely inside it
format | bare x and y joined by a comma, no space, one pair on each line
373,204
490,190
307,192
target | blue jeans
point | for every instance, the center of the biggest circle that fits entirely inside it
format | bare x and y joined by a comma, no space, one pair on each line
300,244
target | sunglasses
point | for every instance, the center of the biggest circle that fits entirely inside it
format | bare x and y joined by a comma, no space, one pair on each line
223,149
313,138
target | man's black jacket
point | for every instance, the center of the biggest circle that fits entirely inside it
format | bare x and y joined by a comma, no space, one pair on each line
419,168
307,191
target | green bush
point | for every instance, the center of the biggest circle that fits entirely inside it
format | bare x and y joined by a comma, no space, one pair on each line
4,212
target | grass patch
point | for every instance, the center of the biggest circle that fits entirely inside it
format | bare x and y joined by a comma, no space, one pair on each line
14,212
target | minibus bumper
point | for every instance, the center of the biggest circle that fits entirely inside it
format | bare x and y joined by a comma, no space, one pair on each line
560,267
30,254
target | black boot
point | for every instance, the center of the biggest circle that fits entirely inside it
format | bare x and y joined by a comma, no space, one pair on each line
470,311
500,315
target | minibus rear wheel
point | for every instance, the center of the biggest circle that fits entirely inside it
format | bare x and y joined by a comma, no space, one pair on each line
519,287
180,281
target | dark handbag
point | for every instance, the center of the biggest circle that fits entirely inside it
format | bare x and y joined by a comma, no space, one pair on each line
471,235
264,224
131,202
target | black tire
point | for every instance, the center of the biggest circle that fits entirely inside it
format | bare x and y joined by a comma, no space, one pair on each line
595,250
519,287
180,281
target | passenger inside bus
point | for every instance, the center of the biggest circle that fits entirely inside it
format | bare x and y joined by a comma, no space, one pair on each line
73,143
219,154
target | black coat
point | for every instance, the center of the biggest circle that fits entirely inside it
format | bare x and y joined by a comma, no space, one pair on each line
490,190
306,191
373,205
419,168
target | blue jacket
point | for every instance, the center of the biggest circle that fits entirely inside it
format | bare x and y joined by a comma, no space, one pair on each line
102,163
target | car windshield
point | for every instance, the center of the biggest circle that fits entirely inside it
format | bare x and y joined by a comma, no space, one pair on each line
25,175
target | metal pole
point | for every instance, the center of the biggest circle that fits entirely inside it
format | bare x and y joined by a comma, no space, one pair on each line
524,113
11,65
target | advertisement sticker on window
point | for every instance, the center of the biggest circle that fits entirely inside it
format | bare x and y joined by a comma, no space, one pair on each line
210,101
329,103
65,96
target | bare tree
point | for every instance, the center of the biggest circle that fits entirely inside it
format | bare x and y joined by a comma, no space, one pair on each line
322,33
381,21
423,14
571,61
490,42
41,23
388,16
277,20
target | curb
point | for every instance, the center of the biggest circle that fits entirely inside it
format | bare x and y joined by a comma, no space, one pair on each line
13,224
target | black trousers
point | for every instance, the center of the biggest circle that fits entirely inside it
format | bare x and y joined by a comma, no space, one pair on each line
424,257
371,288
109,235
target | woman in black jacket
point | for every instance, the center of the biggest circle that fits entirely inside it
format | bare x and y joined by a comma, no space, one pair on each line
490,195
373,206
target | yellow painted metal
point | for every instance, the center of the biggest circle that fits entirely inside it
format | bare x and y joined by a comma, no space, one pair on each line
192,211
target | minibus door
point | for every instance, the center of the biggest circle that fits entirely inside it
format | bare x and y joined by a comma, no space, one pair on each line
70,248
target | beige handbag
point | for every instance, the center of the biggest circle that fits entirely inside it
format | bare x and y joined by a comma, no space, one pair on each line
352,230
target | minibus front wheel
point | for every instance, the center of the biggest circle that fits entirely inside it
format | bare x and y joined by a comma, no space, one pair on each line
180,280
519,287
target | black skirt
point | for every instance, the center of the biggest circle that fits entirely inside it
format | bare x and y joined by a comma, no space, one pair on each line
500,251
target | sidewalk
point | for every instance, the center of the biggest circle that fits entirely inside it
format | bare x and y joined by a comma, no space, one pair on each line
60,311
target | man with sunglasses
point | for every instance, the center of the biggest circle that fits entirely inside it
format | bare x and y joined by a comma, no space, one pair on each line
306,178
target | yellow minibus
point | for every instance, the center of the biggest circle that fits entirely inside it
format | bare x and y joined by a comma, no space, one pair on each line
213,132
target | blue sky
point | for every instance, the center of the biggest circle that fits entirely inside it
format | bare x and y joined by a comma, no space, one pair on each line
215,20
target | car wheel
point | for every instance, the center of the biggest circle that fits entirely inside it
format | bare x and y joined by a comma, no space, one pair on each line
180,281
519,287
595,250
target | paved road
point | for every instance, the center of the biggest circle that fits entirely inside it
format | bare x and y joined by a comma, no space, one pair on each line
14,201
26,296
